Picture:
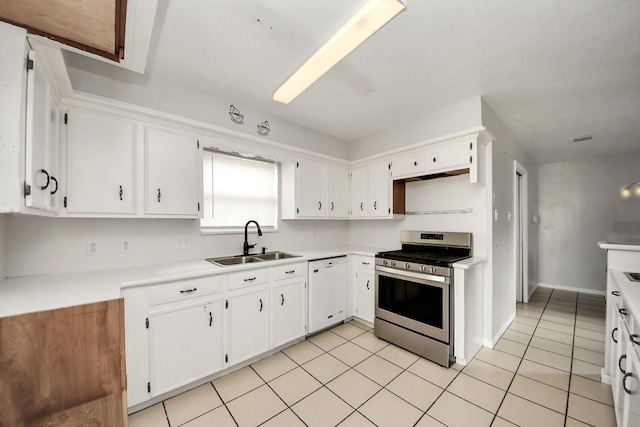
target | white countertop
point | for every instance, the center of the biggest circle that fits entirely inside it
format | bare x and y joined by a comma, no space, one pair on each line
466,264
28,294
630,291
620,246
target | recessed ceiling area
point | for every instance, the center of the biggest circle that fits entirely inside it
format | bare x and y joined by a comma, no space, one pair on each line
551,70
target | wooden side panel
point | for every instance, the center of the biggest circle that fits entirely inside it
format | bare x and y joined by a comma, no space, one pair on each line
63,367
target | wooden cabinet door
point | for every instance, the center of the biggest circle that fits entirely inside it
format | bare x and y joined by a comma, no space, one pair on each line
379,186
172,173
100,166
64,367
288,299
337,192
310,189
185,345
359,192
248,326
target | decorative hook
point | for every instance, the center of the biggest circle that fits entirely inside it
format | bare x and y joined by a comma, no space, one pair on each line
264,129
235,115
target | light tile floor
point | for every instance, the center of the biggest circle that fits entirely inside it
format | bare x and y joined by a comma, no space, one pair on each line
544,371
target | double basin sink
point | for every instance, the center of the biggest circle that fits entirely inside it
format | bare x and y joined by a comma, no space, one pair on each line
245,259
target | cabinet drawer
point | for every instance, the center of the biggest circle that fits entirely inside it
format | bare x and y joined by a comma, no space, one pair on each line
243,279
364,262
184,289
288,270
408,166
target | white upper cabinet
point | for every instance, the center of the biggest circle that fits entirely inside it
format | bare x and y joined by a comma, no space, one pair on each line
449,157
408,166
101,161
310,180
337,192
173,165
371,191
41,186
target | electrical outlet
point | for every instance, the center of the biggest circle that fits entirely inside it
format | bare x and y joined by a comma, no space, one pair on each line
183,242
92,247
125,246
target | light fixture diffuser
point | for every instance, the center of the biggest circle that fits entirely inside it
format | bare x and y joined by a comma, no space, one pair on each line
369,19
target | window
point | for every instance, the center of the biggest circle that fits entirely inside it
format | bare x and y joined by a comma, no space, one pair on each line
238,189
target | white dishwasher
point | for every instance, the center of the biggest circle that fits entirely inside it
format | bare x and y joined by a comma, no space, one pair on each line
327,292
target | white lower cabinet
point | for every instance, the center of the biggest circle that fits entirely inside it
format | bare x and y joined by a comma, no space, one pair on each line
289,315
364,289
185,345
247,325
631,387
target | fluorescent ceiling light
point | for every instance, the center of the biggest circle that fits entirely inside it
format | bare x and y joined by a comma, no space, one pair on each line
369,19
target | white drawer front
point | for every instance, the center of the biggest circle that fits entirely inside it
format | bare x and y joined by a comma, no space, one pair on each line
184,289
364,262
288,270
243,279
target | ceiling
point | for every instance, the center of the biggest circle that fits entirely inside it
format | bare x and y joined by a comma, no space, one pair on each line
550,69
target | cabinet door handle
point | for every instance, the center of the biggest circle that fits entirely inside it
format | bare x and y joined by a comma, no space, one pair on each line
210,319
634,339
188,291
289,272
367,284
282,296
615,293
613,335
319,206
56,181
121,193
365,263
434,160
375,205
250,279
361,206
624,383
44,187
159,195
415,163
623,357
331,205
260,304
623,311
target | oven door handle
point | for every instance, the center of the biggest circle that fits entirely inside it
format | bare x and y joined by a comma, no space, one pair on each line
419,276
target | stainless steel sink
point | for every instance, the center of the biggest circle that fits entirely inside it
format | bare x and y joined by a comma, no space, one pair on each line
245,259
233,260
634,277
274,256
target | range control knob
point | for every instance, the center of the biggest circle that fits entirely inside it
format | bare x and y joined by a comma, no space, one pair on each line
423,268
393,263
433,269
407,265
385,262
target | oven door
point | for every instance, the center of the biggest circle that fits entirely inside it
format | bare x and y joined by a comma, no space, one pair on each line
419,302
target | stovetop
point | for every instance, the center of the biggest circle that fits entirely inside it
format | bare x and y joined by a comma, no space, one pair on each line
438,256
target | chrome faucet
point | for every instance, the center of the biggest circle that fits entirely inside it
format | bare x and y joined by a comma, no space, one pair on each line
247,246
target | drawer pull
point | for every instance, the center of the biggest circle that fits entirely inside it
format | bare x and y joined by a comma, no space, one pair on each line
623,311
188,291
615,293
289,272
365,263
624,383
623,357
210,319
634,339
250,279
613,335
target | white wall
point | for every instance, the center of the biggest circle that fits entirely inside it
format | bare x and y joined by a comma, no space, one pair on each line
502,295
580,204
41,245
106,80
3,249
462,116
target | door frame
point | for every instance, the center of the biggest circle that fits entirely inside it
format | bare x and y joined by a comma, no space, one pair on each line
521,213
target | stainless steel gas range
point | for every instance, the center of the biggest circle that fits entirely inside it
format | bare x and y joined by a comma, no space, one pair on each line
414,293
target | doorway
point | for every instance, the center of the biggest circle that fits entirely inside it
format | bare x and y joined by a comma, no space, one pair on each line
521,233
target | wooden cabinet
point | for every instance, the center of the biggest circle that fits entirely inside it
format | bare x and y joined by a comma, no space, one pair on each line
64,367
247,325
173,173
101,162
337,192
371,191
41,165
186,345
364,288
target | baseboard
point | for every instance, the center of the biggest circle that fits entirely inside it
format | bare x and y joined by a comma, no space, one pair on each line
492,343
532,290
573,289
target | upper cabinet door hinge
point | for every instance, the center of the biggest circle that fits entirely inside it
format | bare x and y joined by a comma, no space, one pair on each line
27,189
148,387
66,118
471,146
297,164
198,144
226,358
470,159
64,201
198,206
29,64
389,165
226,304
